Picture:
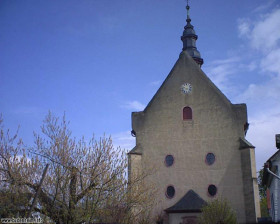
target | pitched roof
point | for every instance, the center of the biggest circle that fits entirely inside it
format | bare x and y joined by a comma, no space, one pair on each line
137,150
273,156
267,177
186,61
244,144
191,202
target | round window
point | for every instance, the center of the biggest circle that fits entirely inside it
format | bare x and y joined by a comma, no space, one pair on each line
170,191
210,158
212,190
169,160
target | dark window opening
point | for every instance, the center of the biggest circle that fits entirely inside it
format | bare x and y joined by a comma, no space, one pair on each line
169,160
210,158
187,113
246,127
170,191
212,190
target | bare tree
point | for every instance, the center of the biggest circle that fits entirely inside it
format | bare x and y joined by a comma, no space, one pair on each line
85,183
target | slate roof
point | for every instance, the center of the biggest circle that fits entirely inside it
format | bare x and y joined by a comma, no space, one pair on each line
191,202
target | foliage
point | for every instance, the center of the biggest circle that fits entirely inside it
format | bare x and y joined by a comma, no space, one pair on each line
217,211
85,183
262,188
263,206
12,202
262,192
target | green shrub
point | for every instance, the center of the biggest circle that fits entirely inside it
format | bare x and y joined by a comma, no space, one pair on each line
217,211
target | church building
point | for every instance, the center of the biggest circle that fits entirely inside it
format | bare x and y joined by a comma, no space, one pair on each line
193,137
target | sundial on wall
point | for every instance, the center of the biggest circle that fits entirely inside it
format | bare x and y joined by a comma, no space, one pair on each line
186,88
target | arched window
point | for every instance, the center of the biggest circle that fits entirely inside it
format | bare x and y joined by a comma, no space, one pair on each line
187,113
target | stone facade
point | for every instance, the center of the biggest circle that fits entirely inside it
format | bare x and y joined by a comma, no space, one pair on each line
217,127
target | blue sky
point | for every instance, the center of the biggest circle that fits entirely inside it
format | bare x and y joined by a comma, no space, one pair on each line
99,60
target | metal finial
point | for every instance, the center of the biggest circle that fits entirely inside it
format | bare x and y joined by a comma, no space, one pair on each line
188,12
188,7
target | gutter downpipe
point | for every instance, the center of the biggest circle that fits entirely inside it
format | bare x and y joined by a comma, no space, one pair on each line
268,170
275,194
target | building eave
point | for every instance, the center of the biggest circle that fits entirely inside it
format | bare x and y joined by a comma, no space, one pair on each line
190,202
135,151
245,144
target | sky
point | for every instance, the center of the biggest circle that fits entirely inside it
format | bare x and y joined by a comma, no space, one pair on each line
99,60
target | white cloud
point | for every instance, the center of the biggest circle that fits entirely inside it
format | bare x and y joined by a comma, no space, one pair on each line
252,66
243,28
263,38
134,105
263,128
265,5
155,83
263,41
268,91
271,62
123,140
264,117
225,61
219,72
264,34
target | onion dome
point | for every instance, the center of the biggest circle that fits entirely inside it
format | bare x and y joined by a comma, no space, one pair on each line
189,40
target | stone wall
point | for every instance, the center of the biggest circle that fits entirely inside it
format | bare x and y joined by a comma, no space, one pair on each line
216,127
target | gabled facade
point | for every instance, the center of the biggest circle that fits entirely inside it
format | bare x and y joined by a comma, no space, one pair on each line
194,139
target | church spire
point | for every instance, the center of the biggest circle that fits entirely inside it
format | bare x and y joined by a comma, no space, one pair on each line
189,39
